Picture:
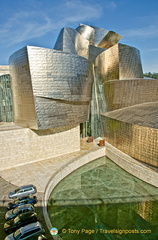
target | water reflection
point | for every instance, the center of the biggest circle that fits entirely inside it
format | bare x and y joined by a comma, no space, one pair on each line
102,201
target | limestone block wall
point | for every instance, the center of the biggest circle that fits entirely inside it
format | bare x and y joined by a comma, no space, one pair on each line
129,164
4,69
137,141
124,93
20,146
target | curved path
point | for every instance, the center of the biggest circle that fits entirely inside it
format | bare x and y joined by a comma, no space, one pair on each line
39,174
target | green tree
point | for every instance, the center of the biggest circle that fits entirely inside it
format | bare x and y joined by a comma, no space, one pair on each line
151,75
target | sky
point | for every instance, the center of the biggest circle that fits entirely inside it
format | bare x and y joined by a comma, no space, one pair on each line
38,23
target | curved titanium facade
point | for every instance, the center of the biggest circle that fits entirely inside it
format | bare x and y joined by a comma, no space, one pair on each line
71,41
130,119
98,36
134,130
87,32
88,72
50,88
125,93
119,62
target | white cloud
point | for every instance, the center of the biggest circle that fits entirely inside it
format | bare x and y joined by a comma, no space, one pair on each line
151,50
76,11
151,31
24,25
110,4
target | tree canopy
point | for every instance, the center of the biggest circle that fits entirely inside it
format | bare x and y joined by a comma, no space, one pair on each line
151,75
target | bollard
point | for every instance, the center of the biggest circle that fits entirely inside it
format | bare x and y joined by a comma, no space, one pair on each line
90,139
102,143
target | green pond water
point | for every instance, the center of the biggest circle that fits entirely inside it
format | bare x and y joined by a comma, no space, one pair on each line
102,201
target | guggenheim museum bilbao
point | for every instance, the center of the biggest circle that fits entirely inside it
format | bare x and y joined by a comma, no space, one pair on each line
88,85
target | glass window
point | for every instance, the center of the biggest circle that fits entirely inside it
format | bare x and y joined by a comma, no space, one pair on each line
15,210
17,234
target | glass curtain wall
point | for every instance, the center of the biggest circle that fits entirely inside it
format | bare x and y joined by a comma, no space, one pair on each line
93,127
6,113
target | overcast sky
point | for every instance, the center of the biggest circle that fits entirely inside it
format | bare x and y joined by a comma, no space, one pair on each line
38,23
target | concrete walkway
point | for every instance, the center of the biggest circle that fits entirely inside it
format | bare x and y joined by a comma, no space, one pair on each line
39,173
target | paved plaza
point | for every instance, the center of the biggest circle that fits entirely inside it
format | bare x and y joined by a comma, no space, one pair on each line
41,172
37,173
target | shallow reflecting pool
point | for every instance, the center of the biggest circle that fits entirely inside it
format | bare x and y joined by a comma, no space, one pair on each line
102,201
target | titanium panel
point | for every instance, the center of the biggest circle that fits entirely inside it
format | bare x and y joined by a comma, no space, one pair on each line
119,62
99,34
129,62
87,32
56,85
71,41
56,113
137,141
144,114
109,40
59,75
94,52
23,99
108,64
125,93
66,41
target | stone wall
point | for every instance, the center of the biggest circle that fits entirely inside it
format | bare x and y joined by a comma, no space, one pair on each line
20,146
4,69
132,166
